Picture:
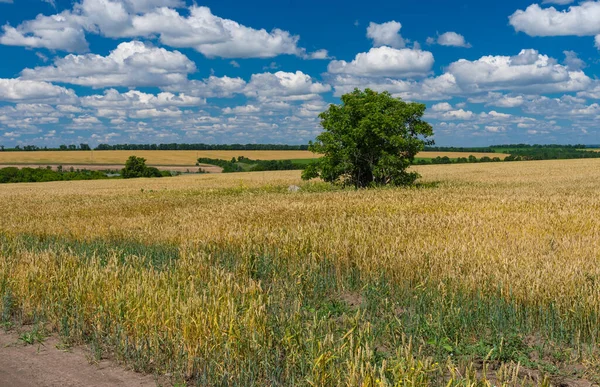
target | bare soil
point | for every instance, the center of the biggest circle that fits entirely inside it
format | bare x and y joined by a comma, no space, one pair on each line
45,365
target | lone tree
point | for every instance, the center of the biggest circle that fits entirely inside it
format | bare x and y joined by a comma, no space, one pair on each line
136,167
369,140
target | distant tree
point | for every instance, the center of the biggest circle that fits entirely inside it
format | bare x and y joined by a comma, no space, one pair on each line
371,139
134,167
84,147
63,147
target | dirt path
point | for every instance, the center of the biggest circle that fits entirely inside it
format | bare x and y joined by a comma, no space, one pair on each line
47,366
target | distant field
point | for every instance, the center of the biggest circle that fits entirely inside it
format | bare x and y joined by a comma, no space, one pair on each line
182,158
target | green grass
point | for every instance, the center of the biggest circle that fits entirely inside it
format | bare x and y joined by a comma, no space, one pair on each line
155,255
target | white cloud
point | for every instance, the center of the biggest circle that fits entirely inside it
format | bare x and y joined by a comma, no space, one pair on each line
441,107
579,20
385,61
130,64
572,61
209,34
319,54
592,92
458,115
242,110
84,120
57,32
156,113
212,87
66,30
6,1
450,39
284,84
495,129
19,90
499,100
386,34
597,41
139,100
527,71
214,36
429,89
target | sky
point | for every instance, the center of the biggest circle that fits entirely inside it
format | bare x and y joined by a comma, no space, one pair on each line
164,71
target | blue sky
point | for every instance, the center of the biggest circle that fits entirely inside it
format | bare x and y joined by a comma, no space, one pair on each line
158,71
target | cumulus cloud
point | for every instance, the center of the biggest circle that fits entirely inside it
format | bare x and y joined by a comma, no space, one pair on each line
214,36
130,64
458,115
19,90
57,32
592,92
242,110
450,39
529,70
429,89
199,29
386,34
319,54
441,107
139,100
284,84
579,20
212,87
572,61
66,30
385,61
499,100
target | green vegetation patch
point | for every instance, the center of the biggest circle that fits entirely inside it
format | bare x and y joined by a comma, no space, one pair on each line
35,175
155,255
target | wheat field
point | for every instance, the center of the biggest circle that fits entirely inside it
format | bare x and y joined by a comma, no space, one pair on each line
484,274
173,158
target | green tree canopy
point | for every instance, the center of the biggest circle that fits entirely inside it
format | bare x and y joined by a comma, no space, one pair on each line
136,167
371,139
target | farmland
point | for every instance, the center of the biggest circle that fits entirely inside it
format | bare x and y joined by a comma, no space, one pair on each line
483,273
173,158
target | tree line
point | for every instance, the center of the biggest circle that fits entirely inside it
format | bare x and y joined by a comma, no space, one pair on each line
36,175
135,167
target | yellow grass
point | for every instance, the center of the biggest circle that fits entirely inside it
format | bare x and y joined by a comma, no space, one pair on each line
522,233
185,158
